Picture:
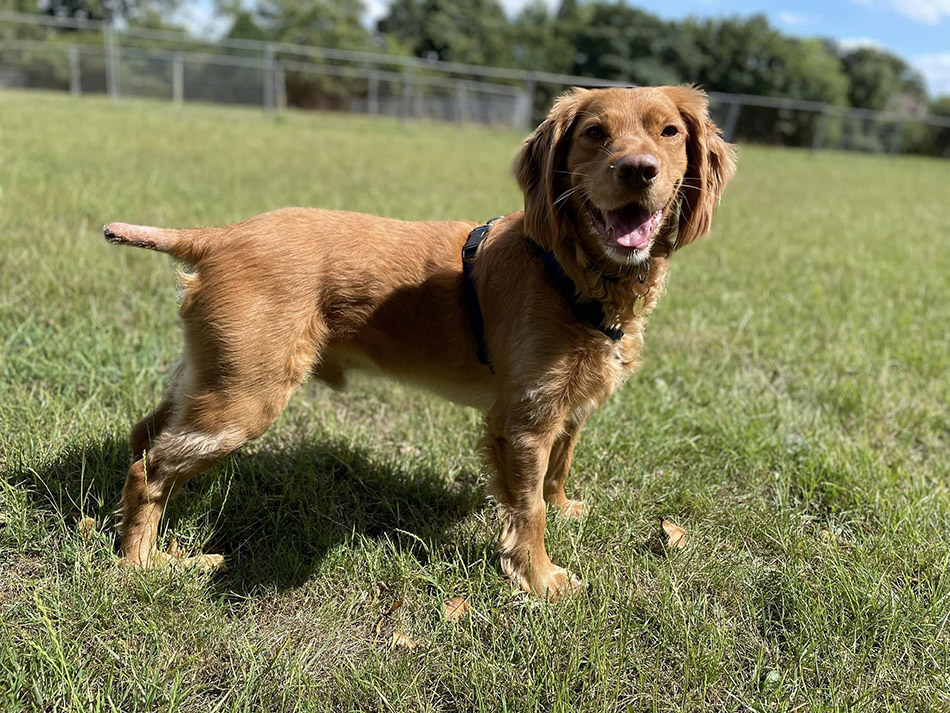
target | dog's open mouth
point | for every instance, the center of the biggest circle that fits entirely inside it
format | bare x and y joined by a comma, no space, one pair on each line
631,226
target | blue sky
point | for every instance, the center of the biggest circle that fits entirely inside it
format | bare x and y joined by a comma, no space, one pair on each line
917,30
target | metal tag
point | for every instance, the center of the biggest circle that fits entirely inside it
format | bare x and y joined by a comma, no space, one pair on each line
639,305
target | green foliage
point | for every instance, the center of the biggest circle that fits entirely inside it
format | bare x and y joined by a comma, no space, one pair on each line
139,11
246,27
879,80
930,140
748,56
322,23
616,41
472,31
540,40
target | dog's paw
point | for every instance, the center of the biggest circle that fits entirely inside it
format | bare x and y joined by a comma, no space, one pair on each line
206,563
551,582
573,509
557,584
160,560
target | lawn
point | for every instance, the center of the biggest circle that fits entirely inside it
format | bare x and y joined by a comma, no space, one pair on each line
791,416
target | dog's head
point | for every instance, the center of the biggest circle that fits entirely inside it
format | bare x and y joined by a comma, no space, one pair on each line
608,167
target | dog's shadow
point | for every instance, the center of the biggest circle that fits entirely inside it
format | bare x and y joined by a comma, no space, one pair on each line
275,513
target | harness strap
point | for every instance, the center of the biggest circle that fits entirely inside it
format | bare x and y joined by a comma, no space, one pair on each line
469,250
590,312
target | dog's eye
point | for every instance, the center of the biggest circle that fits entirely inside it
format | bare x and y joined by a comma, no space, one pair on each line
595,133
669,131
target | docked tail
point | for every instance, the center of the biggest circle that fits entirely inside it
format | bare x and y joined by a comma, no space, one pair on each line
181,244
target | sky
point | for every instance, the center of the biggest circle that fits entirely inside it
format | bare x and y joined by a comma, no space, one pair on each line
917,30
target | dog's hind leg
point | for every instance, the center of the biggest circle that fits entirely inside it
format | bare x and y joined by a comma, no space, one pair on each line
213,414
149,428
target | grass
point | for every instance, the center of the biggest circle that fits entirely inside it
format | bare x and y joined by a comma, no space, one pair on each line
792,416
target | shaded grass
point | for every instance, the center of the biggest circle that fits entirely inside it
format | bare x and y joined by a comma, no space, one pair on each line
792,415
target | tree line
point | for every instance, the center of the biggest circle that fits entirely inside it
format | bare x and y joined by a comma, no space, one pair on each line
597,38
617,41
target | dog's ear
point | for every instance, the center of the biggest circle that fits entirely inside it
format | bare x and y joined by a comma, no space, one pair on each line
541,156
712,164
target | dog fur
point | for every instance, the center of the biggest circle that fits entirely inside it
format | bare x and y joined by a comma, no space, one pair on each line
299,292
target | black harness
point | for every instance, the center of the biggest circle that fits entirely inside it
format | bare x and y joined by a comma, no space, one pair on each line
475,239
584,310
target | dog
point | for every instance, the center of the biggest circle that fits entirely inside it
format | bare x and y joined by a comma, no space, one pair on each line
537,325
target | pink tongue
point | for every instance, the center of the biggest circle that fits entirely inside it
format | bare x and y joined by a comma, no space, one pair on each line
631,227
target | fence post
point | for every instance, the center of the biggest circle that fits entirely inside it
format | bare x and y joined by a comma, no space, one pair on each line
408,80
898,138
281,86
178,79
267,69
819,138
461,101
530,88
732,121
372,99
111,60
75,78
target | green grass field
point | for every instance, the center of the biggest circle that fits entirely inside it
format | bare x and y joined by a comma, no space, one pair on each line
792,416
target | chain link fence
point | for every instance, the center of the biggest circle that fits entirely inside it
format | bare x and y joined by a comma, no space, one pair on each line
84,57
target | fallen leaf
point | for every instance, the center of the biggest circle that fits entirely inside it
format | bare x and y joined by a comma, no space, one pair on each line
400,639
382,619
830,536
393,608
675,535
87,526
454,608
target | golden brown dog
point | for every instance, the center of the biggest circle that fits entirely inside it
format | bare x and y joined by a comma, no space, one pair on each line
614,180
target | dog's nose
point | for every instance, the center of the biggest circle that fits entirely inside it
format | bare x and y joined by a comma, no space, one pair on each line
637,168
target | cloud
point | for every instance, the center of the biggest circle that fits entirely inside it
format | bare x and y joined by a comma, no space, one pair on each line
201,19
930,12
375,9
513,7
787,17
850,44
936,70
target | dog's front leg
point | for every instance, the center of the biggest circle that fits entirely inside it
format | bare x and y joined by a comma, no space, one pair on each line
558,467
520,451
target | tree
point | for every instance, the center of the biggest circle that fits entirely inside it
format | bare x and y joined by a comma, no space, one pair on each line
138,11
538,43
616,41
880,80
320,23
245,27
748,56
472,31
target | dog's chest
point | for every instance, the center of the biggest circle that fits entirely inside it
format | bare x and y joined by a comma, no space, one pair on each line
607,373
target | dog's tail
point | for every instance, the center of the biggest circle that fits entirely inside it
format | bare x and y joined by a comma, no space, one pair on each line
187,245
